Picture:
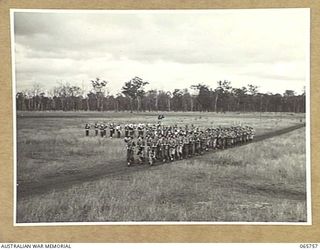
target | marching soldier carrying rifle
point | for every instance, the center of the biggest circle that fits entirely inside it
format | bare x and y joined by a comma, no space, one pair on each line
130,150
141,143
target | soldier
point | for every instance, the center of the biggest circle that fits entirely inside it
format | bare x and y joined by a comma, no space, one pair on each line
180,146
96,128
193,128
105,130
248,133
228,139
219,139
209,139
193,142
161,148
186,128
186,146
149,149
215,138
111,129
198,144
238,137
244,135
203,140
233,137
126,130
224,139
165,149
118,130
158,144
102,129
140,130
130,150
141,149
251,134
172,147
153,151
131,130
87,127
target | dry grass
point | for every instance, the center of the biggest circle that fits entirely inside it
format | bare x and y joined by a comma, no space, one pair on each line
261,182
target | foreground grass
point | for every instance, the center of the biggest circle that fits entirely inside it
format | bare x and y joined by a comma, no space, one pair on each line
260,182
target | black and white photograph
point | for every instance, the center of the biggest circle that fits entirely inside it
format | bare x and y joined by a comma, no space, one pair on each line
161,116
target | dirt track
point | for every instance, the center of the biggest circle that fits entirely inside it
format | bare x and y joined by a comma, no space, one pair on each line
119,167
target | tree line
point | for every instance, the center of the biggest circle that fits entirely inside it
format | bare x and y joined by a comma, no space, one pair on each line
133,97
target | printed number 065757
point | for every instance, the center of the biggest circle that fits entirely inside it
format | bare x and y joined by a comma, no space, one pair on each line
308,246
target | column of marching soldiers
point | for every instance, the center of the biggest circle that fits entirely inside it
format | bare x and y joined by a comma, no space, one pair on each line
160,143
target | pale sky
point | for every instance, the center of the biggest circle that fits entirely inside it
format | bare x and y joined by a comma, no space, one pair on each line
169,49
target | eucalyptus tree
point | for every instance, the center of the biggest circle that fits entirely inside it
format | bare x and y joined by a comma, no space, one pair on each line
134,89
98,86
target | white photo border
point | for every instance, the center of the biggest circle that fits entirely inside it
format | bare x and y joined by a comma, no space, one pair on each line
308,121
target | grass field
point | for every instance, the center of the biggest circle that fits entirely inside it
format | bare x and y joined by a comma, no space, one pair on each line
263,181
